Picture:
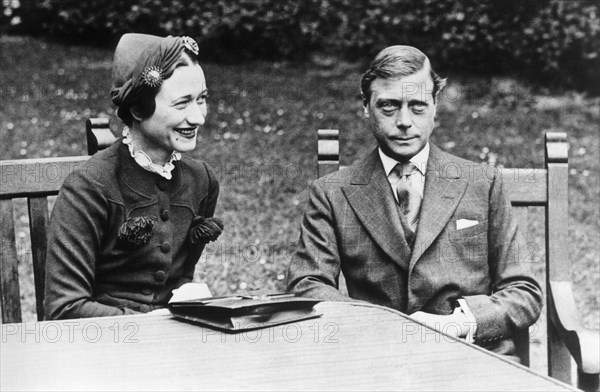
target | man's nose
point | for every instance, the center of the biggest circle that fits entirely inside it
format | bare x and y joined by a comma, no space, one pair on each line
196,114
403,119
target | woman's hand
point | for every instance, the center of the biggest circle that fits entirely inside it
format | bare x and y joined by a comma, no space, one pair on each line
159,312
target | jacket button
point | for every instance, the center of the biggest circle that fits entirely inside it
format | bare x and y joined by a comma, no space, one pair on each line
146,291
144,308
162,184
165,247
160,276
165,214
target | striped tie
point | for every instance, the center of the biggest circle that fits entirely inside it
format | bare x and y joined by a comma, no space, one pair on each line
408,197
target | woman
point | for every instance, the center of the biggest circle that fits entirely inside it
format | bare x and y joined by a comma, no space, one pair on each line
129,227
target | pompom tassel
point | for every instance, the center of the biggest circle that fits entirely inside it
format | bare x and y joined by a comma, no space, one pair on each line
205,230
137,231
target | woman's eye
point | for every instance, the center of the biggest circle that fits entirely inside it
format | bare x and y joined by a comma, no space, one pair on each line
181,104
202,99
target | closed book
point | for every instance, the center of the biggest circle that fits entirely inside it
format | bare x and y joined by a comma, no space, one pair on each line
243,313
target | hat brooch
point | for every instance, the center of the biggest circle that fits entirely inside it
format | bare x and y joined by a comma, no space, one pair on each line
191,45
152,76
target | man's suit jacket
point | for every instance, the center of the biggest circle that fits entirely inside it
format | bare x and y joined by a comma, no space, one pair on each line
352,224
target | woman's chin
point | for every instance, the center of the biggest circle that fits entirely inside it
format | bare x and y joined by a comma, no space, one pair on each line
182,144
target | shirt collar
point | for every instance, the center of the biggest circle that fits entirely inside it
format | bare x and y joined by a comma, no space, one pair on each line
142,159
419,160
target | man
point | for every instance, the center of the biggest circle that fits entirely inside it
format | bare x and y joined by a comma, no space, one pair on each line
414,228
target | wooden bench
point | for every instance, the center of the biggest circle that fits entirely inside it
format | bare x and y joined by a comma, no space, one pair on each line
526,188
35,180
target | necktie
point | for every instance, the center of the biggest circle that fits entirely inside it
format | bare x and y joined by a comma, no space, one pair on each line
409,198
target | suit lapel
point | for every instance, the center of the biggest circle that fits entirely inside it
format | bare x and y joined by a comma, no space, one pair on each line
444,187
370,196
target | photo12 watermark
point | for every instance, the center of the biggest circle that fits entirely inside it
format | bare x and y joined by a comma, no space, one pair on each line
315,332
71,331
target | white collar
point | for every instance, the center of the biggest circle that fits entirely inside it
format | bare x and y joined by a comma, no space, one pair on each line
142,159
419,160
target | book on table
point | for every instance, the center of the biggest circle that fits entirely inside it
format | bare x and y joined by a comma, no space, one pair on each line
241,313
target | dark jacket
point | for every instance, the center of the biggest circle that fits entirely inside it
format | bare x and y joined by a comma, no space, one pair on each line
352,225
119,235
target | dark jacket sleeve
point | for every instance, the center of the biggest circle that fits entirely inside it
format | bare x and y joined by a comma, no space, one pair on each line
77,226
209,211
315,266
516,299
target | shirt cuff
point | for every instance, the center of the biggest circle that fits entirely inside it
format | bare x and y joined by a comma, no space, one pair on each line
472,323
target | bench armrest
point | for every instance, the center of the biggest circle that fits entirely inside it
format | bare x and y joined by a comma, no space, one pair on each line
582,343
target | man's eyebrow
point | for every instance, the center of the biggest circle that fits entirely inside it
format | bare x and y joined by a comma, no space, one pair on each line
398,102
389,100
417,102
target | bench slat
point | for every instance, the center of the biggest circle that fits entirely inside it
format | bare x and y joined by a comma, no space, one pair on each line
33,177
525,187
38,224
98,134
329,150
557,245
522,336
9,270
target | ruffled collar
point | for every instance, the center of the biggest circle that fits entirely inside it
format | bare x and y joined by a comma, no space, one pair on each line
142,159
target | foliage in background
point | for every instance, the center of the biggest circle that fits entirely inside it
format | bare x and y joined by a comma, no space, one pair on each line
10,14
556,42
562,42
226,29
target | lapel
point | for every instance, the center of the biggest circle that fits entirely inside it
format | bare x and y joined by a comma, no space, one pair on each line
370,196
444,187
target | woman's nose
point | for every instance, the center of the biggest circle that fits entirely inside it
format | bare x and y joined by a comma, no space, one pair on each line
197,114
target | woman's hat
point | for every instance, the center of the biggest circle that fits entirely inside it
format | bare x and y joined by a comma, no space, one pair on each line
144,61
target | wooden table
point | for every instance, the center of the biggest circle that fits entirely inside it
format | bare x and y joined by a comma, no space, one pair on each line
351,347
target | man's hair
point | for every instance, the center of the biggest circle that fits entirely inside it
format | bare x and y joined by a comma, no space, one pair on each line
395,62
145,103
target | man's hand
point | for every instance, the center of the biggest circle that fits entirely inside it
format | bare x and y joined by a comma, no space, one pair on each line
456,324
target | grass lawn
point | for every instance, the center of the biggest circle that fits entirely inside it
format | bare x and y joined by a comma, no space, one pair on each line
260,137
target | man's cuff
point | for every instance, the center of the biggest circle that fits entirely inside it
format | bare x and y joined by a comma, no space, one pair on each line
472,323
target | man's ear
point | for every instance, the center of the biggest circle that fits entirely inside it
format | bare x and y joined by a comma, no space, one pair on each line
365,107
135,113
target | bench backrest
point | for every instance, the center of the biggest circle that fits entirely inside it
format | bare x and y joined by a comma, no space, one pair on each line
35,180
527,188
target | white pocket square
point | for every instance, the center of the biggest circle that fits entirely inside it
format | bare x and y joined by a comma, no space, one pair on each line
464,223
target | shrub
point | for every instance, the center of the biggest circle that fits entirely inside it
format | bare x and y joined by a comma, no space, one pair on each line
11,15
226,29
554,41
561,45
465,34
